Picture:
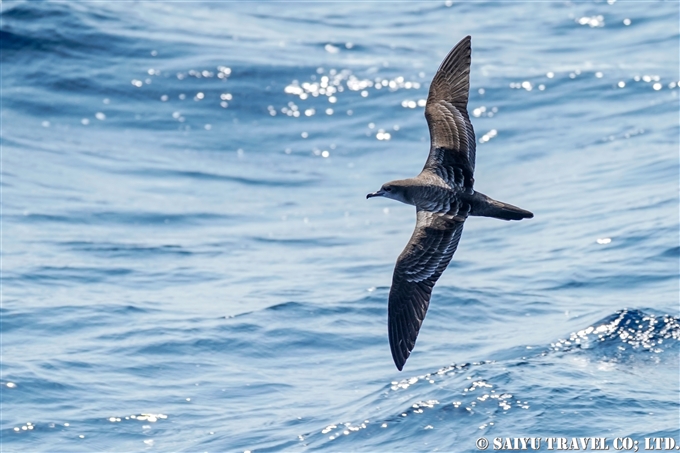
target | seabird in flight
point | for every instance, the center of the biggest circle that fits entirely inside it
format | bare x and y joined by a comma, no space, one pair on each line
443,196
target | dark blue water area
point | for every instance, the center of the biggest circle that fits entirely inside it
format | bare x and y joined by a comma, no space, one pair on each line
189,262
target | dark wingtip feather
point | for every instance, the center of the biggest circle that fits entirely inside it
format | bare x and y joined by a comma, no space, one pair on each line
399,357
459,54
398,346
399,361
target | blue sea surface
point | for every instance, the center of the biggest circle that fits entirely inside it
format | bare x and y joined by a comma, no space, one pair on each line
189,262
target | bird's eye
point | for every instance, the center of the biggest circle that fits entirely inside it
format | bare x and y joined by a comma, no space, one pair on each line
388,189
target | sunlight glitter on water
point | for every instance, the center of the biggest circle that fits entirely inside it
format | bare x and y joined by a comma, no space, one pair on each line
482,111
488,136
646,332
337,82
592,22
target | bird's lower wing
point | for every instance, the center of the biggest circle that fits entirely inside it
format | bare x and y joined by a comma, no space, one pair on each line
418,268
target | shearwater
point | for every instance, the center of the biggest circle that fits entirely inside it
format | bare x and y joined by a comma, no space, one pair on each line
444,197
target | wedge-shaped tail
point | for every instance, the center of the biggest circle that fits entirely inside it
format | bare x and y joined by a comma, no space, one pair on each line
484,206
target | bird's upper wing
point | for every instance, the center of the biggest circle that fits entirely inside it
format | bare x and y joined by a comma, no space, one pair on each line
452,138
418,268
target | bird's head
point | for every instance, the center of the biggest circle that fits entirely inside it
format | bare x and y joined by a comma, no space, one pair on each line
396,190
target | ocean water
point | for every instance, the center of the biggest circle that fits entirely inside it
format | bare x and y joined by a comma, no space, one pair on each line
189,262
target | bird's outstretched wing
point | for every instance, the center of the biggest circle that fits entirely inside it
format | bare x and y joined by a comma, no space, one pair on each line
452,138
418,268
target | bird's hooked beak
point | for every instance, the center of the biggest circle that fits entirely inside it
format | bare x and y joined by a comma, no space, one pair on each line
379,193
